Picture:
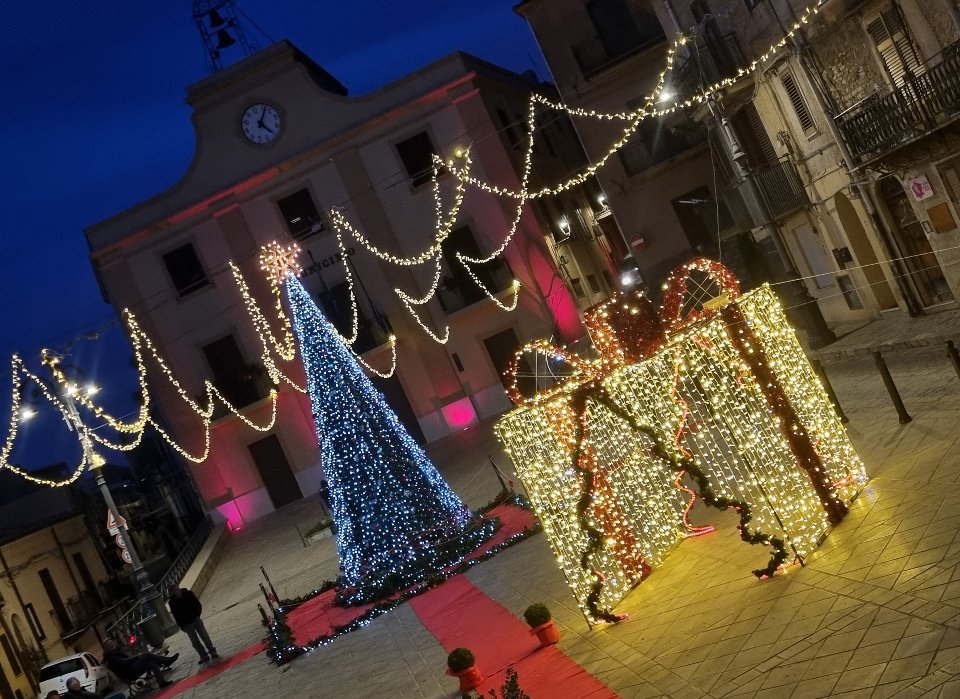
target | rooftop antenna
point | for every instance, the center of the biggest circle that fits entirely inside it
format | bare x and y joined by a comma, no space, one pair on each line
218,22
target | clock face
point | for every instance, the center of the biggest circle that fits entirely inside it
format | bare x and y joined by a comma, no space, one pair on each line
260,123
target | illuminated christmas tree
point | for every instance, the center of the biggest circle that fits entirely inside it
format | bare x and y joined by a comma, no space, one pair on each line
397,519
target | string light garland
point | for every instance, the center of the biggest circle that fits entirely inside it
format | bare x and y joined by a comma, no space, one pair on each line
460,165
735,405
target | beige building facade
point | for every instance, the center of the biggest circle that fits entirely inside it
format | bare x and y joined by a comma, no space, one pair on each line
52,587
279,146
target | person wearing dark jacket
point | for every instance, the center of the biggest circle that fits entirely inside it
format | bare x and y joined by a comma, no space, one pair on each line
186,610
129,667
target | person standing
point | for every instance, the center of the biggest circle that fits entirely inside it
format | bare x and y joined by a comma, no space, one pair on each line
186,610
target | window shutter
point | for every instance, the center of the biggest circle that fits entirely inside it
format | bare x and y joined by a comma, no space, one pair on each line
799,105
890,36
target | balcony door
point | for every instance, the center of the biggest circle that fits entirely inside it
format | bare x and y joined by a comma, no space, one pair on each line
919,259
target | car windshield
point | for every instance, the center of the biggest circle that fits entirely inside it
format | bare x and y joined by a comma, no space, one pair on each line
64,667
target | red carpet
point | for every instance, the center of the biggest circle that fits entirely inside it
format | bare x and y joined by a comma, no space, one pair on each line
318,616
208,671
458,614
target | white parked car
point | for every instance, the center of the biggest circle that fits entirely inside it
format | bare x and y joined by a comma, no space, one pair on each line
86,668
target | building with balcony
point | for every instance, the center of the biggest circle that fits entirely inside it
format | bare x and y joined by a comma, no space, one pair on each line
846,144
659,189
800,169
279,145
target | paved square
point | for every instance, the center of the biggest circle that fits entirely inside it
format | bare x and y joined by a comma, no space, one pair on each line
874,613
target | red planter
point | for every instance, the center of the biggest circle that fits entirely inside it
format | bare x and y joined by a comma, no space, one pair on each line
469,678
547,633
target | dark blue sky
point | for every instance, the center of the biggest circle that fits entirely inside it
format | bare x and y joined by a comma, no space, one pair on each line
94,122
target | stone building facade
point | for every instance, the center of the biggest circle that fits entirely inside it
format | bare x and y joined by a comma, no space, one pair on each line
836,158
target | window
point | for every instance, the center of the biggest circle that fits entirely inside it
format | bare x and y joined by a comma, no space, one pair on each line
751,4
850,294
34,621
577,287
300,215
890,36
185,270
594,283
417,155
799,104
459,288
753,137
59,610
11,656
232,375
622,26
654,143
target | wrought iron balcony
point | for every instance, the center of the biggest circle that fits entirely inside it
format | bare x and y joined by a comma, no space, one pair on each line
459,291
771,193
884,122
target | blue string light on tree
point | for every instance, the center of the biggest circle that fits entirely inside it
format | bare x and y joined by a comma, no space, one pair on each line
397,520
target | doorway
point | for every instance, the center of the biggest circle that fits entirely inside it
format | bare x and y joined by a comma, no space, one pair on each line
396,398
863,252
275,471
919,260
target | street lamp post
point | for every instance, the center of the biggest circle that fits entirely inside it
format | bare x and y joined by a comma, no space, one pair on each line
149,598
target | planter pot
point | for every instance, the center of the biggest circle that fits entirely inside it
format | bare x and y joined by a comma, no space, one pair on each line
547,633
469,678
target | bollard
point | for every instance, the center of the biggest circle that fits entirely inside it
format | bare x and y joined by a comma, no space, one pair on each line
263,614
496,471
891,388
270,584
954,356
828,387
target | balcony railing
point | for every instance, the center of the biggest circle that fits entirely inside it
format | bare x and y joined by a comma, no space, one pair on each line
458,292
881,123
771,193
638,155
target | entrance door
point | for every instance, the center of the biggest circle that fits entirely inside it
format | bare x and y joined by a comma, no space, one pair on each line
275,471
920,262
5,691
396,398
501,348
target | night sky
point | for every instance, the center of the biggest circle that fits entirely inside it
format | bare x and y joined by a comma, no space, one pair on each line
94,121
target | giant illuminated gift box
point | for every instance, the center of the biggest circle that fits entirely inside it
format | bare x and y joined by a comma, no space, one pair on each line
724,393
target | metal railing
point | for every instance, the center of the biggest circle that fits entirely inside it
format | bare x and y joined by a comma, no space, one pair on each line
127,626
187,556
883,122
769,194
458,292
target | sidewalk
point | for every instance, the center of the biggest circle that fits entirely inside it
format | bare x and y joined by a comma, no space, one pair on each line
895,332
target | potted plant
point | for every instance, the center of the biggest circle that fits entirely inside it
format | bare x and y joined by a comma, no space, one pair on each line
460,664
541,623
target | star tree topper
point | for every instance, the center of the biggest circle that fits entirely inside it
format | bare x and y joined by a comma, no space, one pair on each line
278,261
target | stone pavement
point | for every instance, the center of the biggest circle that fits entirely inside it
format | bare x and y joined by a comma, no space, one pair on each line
874,613
896,331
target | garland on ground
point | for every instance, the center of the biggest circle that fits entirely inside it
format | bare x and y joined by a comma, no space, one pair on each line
280,646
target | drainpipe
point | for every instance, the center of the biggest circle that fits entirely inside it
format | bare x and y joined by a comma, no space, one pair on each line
887,238
819,333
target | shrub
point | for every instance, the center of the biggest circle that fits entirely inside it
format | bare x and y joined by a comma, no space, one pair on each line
537,615
460,659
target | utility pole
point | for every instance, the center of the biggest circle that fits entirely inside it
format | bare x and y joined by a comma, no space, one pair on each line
155,614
